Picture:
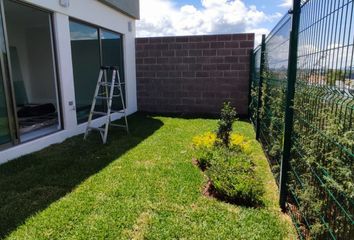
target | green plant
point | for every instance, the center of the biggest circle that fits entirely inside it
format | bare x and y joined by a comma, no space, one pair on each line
227,117
206,156
322,176
234,179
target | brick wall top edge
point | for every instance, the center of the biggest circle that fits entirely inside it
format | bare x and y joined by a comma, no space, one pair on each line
211,35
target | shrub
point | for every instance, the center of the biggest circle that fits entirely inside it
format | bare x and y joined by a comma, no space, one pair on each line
227,117
234,179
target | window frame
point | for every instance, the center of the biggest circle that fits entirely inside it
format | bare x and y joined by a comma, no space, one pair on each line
99,32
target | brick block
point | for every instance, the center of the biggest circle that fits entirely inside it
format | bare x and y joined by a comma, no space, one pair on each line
246,44
223,67
182,53
168,53
217,45
224,37
195,53
182,39
203,60
223,52
239,52
189,74
231,59
209,67
195,67
217,60
233,44
244,59
156,40
189,60
162,60
175,74
209,38
142,40
168,39
239,37
202,74
182,67
149,60
176,60
209,52
196,38
175,46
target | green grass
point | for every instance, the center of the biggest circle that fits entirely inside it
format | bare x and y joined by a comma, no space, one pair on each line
142,186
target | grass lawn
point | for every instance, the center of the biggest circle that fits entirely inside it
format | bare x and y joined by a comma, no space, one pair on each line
142,186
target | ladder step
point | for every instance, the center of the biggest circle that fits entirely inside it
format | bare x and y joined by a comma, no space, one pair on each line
96,129
118,125
100,113
108,84
120,111
105,98
101,97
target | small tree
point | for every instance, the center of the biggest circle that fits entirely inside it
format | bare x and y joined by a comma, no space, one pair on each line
227,117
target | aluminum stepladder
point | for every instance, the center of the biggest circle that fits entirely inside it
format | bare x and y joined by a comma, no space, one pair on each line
107,94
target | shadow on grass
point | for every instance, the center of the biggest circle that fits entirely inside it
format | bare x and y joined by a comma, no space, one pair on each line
31,183
216,116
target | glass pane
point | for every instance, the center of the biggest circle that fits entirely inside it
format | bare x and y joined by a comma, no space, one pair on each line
4,122
33,70
112,55
86,64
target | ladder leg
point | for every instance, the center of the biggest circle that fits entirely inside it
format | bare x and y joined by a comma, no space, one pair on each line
123,103
108,119
93,103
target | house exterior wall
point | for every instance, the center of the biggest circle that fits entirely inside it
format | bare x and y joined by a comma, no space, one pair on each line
193,74
93,12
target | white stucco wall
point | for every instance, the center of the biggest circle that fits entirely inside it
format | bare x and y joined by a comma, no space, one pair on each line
94,12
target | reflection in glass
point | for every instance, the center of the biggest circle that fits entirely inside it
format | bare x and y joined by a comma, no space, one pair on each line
86,64
112,55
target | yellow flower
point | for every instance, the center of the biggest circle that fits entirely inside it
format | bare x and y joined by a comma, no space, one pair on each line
205,140
239,141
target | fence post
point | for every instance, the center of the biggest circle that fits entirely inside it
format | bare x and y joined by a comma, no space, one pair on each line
289,111
261,78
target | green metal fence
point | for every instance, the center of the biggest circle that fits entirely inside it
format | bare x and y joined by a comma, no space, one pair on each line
302,104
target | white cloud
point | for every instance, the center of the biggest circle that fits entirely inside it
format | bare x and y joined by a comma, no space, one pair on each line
164,18
286,3
258,34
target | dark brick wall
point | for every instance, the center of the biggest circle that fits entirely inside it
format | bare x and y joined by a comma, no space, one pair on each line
193,74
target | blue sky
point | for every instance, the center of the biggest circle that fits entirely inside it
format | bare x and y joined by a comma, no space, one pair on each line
199,17
268,6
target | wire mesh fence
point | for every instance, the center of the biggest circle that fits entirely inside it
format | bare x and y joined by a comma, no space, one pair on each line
320,186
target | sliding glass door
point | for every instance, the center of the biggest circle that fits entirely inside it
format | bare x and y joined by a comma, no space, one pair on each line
5,133
32,70
91,48
29,98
